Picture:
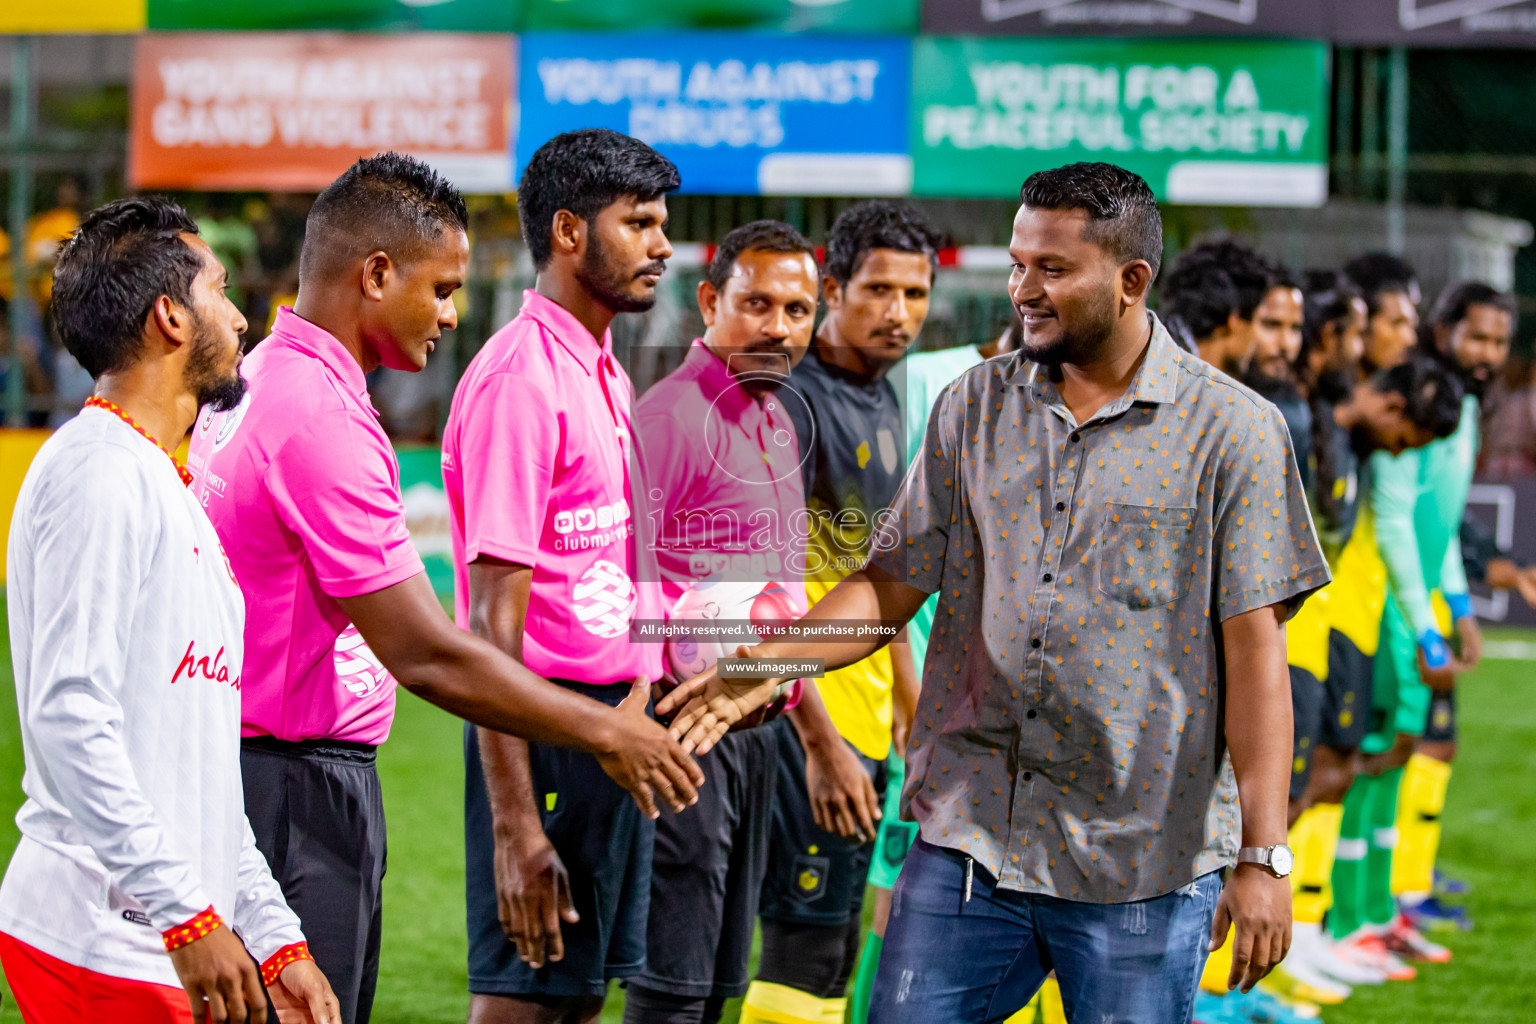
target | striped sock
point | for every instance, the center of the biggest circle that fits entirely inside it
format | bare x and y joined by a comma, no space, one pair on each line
1348,911
1314,838
1420,804
768,1003
1378,906
1051,1009
864,980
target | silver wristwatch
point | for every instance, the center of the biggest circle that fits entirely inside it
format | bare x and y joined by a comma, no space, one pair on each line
1278,860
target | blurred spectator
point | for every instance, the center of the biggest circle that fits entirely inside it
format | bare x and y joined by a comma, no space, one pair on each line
56,385
279,226
226,227
1509,421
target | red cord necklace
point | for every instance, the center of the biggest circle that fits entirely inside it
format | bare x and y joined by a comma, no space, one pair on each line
101,403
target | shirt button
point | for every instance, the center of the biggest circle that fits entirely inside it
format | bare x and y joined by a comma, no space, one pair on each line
1047,577
1028,776
1076,437
1034,642
1061,506
1031,713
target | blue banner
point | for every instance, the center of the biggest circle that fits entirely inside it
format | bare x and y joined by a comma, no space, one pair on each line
738,112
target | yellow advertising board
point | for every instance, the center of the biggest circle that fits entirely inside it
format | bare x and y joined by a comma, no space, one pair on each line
17,447
28,16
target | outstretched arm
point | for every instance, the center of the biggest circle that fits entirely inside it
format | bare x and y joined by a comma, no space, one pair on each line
711,705
467,676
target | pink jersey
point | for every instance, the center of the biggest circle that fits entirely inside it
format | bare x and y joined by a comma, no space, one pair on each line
538,467
304,489
725,496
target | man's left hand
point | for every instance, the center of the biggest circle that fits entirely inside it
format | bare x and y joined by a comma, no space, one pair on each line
1257,907
303,996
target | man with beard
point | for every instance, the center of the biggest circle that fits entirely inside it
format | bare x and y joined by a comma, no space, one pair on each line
1098,655
919,380
304,488
136,866
1419,499
1211,301
1391,290
728,510
881,258
1406,406
547,502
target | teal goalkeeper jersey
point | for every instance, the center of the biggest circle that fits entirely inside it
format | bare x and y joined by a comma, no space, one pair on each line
918,380
1417,499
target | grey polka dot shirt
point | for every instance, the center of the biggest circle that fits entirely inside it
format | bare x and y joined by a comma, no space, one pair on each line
1069,737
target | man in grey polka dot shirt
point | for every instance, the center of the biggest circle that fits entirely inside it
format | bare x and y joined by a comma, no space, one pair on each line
1117,533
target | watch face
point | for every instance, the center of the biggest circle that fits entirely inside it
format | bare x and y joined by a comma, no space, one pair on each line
1281,860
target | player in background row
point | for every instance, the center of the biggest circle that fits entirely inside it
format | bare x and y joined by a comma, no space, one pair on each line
303,486
137,893
1420,501
546,492
1040,840
1231,306
1335,421
728,509
880,260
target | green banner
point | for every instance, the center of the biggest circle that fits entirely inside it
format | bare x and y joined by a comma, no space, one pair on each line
861,16
352,15
427,513
1238,122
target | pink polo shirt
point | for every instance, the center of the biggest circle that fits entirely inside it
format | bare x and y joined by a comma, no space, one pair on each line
725,498
538,466
304,490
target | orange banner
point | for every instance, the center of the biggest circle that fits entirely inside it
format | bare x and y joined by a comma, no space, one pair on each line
290,111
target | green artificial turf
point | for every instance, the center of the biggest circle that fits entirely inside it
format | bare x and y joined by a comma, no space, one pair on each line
1490,840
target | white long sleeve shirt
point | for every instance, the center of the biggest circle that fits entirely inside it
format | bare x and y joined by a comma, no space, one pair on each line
126,637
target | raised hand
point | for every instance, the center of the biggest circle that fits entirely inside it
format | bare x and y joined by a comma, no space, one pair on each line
706,706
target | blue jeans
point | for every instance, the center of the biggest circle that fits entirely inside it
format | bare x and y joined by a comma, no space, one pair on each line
952,960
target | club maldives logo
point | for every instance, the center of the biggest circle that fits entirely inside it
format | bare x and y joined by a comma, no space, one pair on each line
215,668
358,669
228,422
604,599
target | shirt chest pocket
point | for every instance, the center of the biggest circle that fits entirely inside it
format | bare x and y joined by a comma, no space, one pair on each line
1145,554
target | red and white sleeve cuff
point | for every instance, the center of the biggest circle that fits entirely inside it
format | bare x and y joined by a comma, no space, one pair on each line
191,931
289,954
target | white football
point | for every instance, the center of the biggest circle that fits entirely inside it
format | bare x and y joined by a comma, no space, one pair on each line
762,604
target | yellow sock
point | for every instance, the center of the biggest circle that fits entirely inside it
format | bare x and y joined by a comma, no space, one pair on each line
833,1011
1051,1009
1026,1015
1421,799
767,1003
1314,839
1218,966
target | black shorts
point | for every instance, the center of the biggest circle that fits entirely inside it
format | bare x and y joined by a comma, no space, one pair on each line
1346,694
707,873
1307,716
605,844
1441,724
814,877
317,813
